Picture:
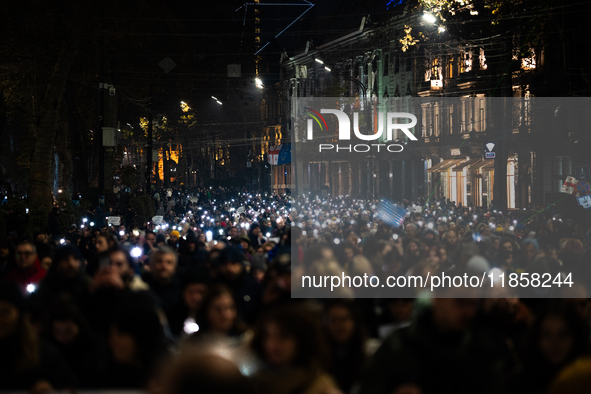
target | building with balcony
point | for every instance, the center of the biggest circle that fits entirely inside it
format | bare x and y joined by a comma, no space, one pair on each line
482,79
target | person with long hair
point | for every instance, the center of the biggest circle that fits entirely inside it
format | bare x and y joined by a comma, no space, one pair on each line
348,342
218,318
558,336
291,346
136,343
26,361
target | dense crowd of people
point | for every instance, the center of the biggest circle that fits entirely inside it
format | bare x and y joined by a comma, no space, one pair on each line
202,299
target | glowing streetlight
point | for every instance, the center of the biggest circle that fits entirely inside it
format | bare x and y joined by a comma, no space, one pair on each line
259,83
429,18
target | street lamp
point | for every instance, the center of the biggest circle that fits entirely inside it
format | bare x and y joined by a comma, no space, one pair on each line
259,83
429,18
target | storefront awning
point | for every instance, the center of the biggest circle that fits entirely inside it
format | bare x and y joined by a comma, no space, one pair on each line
467,163
444,165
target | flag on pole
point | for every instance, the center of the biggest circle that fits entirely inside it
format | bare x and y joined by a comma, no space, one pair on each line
274,154
284,154
570,186
390,213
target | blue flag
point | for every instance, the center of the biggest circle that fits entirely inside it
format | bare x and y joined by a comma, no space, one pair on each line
390,213
284,154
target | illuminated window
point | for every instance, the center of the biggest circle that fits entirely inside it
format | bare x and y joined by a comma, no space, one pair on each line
257,21
529,62
450,67
482,59
257,30
511,182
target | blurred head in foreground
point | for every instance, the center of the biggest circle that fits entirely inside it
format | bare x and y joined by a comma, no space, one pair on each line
204,373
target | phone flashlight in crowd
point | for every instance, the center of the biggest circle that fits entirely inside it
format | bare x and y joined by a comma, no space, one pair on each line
121,233
430,225
190,327
337,241
515,222
136,232
395,236
91,224
62,241
268,235
511,228
136,252
174,227
30,288
420,223
84,220
208,236
475,217
221,232
228,238
81,226
26,210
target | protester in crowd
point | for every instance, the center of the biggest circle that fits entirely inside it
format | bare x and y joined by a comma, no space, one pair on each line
558,337
163,278
27,269
205,371
136,343
441,351
68,330
349,346
124,264
6,257
26,361
289,342
218,319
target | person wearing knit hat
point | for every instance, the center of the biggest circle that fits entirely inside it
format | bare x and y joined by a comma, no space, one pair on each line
175,241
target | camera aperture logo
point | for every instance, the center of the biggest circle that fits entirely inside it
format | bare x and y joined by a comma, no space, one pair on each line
389,122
